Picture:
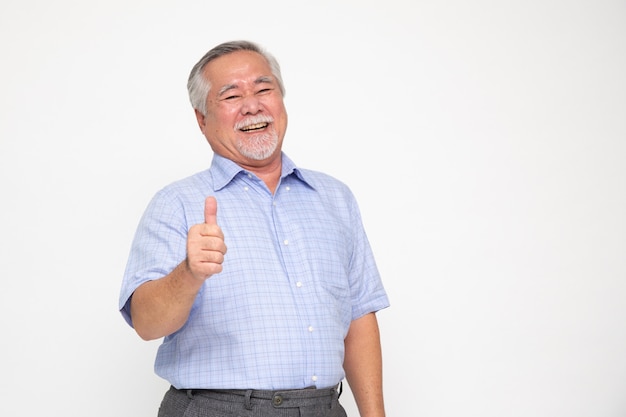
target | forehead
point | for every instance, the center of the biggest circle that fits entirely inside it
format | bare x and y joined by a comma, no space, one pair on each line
236,67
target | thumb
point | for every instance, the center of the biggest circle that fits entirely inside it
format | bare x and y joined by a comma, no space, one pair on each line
210,210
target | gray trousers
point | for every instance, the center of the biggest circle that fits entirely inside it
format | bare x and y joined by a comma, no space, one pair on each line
251,403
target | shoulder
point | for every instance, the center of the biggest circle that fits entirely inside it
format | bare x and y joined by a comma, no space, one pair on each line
334,193
200,182
182,195
317,180
323,182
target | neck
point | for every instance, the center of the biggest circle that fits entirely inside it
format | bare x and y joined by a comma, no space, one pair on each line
268,173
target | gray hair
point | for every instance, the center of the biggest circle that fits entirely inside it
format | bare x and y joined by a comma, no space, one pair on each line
198,86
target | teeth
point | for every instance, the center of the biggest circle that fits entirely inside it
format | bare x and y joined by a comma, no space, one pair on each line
254,126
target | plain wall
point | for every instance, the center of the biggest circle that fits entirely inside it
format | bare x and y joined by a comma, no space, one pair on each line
484,140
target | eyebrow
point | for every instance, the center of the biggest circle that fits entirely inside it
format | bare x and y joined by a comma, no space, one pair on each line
261,80
264,79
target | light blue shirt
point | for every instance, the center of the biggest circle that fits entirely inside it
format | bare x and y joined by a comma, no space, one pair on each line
298,270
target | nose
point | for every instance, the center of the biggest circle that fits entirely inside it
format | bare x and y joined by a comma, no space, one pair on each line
250,105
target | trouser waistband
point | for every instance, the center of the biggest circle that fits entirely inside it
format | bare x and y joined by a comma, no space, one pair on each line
279,398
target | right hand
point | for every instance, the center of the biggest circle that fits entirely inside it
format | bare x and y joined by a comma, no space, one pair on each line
205,244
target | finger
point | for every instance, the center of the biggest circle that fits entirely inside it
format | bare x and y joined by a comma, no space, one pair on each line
210,210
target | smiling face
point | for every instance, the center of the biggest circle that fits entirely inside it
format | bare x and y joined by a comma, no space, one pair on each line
246,118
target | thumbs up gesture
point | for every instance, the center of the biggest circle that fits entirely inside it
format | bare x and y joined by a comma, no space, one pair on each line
205,244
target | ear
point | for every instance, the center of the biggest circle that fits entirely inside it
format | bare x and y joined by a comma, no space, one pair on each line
200,118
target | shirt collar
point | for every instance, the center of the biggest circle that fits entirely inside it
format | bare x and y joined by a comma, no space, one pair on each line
224,171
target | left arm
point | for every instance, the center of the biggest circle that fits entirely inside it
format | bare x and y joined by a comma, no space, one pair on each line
363,365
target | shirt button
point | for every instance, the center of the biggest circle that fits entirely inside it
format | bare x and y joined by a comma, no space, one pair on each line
245,188
310,328
287,188
298,284
286,242
314,378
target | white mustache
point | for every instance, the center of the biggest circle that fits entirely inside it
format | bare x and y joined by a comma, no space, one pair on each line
252,120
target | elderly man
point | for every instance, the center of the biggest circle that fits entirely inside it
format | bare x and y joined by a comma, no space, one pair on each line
266,304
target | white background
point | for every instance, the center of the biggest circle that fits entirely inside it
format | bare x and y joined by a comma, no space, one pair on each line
484,140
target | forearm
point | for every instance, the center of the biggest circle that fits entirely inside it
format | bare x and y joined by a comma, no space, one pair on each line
161,307
363,366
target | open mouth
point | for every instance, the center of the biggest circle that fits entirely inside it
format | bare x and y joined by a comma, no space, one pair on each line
256,126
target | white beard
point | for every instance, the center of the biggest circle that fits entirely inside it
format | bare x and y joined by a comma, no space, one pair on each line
258,147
